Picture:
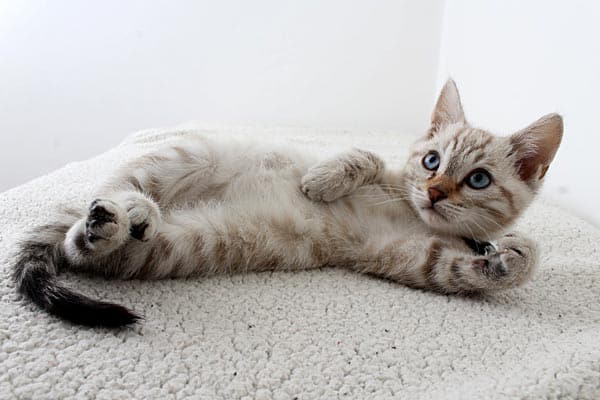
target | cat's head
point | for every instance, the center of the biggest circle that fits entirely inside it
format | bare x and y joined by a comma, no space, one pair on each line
465,181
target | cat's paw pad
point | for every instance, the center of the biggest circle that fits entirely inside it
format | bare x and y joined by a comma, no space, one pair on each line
144,217
491,266
512,262
322,183
104,221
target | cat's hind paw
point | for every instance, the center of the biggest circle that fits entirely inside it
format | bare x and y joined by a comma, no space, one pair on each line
104,221
105,227
144,217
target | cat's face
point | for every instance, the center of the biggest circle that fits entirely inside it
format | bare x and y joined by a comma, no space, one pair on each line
465,181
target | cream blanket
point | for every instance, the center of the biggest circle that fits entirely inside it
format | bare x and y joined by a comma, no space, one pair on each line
321,334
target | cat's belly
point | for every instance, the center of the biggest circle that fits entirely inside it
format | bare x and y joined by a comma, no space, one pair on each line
271,224
255,209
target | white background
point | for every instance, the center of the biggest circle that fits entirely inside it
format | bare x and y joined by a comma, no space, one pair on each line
76,77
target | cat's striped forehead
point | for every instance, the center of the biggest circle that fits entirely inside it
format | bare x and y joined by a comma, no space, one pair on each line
465,146
462,148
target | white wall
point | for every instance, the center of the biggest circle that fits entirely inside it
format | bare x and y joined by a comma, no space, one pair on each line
517,60
76,76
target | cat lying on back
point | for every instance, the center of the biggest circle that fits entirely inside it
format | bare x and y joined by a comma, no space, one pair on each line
202,207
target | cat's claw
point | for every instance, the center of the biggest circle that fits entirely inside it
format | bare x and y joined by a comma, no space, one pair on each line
492,266
512,263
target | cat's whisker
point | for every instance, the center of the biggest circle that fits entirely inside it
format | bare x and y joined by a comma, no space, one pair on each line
484,230
462,224
390,185
481,215
456,213
380,196
377,195
394,200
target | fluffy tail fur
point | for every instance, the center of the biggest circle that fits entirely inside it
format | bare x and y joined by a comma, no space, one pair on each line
35,272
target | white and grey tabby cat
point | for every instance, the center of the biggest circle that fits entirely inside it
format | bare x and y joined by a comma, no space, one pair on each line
202,207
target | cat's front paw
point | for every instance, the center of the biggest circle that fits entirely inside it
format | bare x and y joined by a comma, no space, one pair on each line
511,263
324,183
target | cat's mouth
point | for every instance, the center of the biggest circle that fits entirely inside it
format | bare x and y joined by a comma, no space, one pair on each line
432,212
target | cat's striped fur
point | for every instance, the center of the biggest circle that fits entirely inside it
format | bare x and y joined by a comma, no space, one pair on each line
202,207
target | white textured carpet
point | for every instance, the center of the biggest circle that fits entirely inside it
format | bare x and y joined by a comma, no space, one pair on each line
317,334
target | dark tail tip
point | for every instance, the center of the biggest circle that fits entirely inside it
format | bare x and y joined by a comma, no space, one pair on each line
42,288
82,310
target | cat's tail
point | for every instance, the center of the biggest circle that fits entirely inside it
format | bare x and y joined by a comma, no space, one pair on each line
35,270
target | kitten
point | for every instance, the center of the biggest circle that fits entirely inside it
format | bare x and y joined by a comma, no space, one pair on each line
202,207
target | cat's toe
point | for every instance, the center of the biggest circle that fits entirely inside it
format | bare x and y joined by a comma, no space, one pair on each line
492,266
314,195
322,185
102,211
518,245
310,187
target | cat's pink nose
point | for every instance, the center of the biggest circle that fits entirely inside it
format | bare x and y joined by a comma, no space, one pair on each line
436,194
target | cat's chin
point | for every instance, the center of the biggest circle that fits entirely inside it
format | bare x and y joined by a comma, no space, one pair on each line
436,220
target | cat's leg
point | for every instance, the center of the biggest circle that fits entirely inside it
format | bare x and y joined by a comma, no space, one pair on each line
509,263
339,176
110,221
118,230
433,264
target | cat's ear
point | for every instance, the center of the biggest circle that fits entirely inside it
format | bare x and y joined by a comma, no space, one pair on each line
535,147
448,108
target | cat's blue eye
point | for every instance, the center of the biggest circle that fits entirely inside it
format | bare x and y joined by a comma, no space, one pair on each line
431,161
479,179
